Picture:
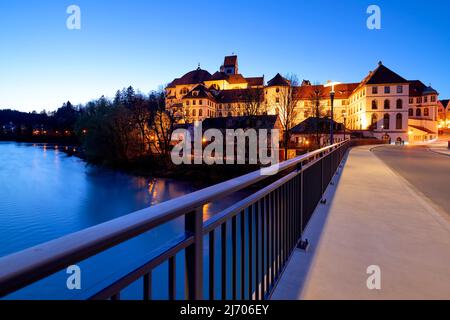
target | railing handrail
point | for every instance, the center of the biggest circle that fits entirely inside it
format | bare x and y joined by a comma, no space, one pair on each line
30,265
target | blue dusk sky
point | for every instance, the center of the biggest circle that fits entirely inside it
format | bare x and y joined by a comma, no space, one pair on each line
147,44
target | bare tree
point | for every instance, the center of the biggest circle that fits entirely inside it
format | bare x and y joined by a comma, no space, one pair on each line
162,127
316,97
287,105
254,102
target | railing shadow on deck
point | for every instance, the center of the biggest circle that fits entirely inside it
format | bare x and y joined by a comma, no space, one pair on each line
264,229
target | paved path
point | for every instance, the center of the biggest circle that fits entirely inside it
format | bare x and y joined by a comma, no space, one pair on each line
373,217
427,172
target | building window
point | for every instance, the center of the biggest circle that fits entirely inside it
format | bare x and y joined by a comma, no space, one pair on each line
374,105
374,90
194,113
399,121
411,112
200,102
387,89
426,112
433,98
399,89
425,99
374,121
277,100
187,102
418,113
387,104
194,102
386,121
399,104
419,100
200,113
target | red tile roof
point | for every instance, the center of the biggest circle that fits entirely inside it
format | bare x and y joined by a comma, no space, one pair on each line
230,61
255,81
193,77
342,91
278,80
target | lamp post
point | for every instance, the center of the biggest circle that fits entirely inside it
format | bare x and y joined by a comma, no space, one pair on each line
332,95
345,122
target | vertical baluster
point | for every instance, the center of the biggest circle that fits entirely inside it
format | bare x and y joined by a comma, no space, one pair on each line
148,286
212,265
242,223
277,233
263,245
268,229
273,236
281,228
172,278
250,252
194,255
234,265
224,260
257,242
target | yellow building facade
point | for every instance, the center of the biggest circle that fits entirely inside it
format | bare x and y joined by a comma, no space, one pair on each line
383,105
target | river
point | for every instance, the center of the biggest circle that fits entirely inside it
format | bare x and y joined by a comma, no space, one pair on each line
46,194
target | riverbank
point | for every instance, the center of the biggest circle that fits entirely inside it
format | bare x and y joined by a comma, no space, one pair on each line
150,167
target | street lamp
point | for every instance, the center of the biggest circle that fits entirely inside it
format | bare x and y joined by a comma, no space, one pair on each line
344,114
332,94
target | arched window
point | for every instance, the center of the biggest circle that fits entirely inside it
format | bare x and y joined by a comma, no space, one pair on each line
374,121
220,114
411,112
200,113
426,112
387,104
194,113
386,121
399,104
418,112
399,121
374,105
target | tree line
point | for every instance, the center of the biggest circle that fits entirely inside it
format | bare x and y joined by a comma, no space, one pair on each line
118,131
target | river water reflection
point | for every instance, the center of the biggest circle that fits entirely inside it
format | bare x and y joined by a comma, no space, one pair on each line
45,194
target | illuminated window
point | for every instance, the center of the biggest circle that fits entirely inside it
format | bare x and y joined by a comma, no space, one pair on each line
399,121
374,121
374,105
426,112
386,121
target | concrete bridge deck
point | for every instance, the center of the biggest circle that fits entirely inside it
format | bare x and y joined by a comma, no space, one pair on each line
373,216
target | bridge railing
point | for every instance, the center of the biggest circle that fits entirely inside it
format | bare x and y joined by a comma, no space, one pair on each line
264,230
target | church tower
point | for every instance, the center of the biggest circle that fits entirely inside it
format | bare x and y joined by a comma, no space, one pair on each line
230,65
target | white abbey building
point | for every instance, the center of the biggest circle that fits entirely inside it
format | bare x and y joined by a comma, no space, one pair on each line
383,105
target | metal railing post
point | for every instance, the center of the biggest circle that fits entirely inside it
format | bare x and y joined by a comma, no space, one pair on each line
194,255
